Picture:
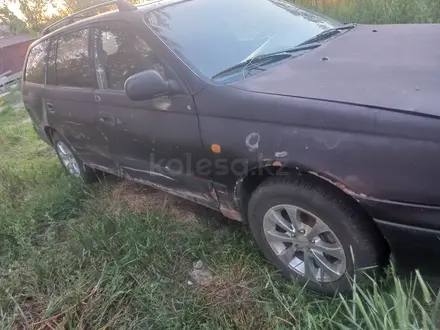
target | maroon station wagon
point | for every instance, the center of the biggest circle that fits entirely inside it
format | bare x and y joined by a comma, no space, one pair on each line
323,137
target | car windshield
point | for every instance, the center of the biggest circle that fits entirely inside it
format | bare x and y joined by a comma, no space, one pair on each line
212,36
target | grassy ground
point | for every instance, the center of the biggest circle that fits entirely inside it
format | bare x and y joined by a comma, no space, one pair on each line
116,255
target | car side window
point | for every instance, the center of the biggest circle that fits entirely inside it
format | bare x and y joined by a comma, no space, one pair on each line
36,63
72,60
118,54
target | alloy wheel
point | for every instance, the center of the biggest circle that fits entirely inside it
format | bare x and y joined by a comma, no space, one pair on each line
68,159
304,243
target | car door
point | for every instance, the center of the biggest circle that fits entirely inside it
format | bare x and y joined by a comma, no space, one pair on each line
156,141
69,103
33,82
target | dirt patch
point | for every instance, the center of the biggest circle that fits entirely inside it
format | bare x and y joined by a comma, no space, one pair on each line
31,308
32,313
141,199
230,293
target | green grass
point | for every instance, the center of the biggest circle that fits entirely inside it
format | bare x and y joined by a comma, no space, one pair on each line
102,256
378,11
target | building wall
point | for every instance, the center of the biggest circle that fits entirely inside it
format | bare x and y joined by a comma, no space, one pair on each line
12,57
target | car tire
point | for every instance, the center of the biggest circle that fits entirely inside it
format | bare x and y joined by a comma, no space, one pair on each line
326,229
70,160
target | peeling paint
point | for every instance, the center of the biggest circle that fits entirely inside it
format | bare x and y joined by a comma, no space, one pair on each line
73,123
344,188
79,136
340,185
105,169
329,144
213,193
252,141
230,213
281,154
104,136
152,173
203,199
163,104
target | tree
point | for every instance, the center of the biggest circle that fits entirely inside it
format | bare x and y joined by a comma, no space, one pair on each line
71,6
35,13
35,16
8,18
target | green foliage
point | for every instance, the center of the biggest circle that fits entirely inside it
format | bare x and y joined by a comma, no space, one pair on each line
34,14
7,17
67,7
378,11
401,306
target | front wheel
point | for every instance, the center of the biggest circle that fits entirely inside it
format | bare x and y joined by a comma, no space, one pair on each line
313,234
70,161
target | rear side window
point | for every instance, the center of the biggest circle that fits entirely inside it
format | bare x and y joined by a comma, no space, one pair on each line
36,63
72,61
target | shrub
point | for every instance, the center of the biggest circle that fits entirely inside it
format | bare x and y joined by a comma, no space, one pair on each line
378,11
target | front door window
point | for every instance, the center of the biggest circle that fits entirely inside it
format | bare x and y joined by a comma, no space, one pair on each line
119,54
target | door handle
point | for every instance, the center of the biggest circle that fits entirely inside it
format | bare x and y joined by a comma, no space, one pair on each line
108,120
50,107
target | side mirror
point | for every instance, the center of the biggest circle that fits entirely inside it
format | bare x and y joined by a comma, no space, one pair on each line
147,84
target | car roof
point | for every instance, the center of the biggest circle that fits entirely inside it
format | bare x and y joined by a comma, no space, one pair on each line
109,15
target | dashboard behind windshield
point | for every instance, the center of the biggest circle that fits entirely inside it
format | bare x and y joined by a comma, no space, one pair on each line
213,35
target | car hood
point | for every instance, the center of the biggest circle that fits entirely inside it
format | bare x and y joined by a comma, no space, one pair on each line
386,66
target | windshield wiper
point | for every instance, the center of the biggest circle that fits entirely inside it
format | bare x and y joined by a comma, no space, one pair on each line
324,35
267,58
